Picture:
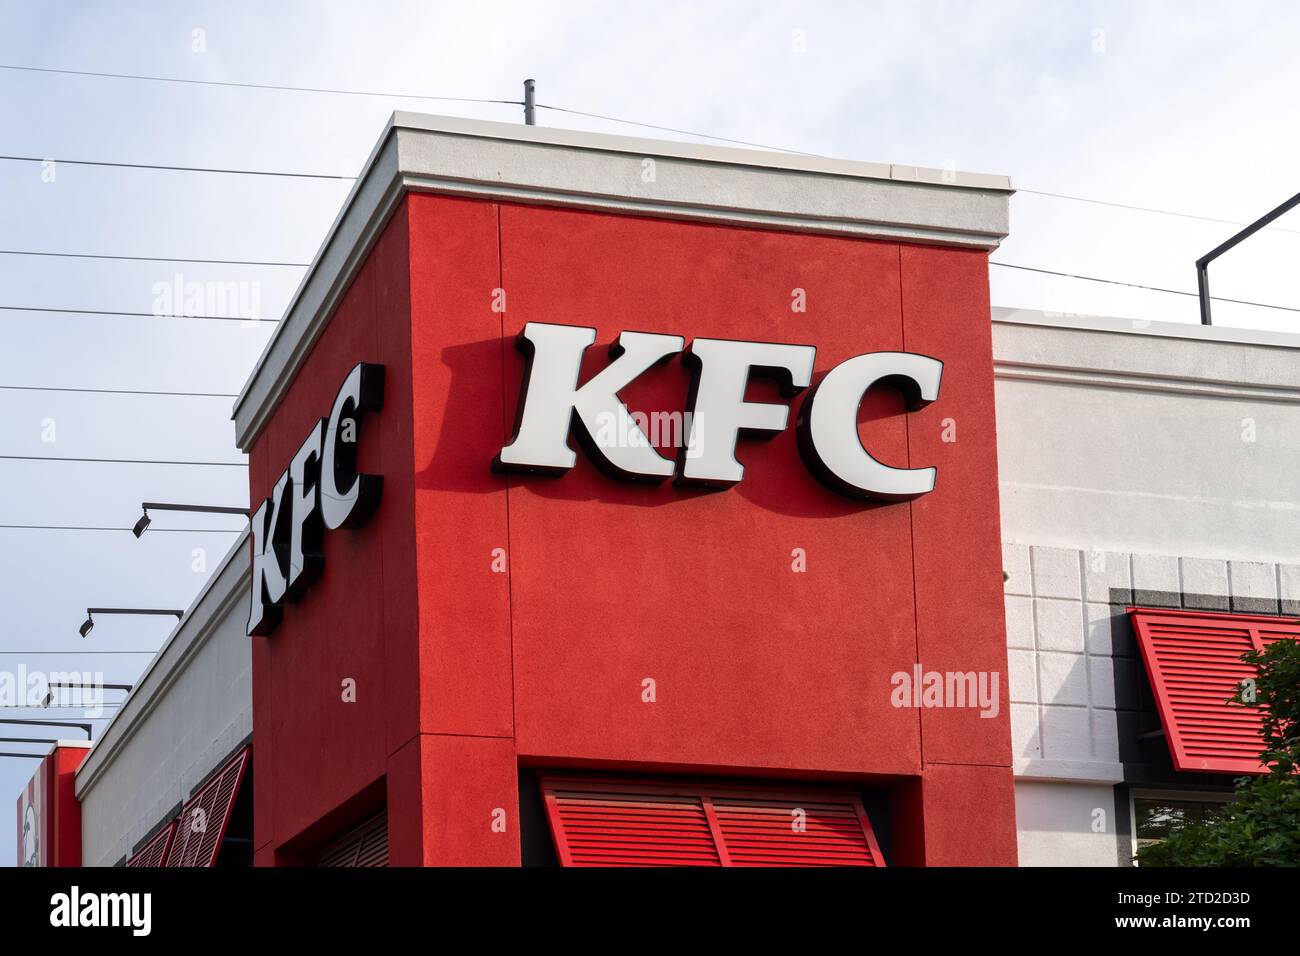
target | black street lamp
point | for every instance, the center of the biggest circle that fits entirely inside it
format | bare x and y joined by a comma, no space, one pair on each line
89,623
49,694
144,522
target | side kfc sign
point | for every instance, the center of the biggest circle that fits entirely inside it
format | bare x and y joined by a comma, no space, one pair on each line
320,489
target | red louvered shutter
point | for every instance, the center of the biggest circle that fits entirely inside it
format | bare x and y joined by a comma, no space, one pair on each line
796,830
600,821
1194,662
367,845
154,852
203,819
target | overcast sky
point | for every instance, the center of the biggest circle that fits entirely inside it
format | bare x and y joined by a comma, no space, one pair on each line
1179,106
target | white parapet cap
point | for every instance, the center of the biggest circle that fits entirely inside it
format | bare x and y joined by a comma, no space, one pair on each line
596,171
1184,358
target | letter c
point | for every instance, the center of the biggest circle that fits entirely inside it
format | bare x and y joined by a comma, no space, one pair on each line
828,427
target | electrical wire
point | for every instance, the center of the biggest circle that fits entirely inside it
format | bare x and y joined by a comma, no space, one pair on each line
100,255
258,86
152,528
126,461
1137,285
1160,212
670,129
544,106
115,703
480,100
174,169
79,652
116,391
145,315
1034,192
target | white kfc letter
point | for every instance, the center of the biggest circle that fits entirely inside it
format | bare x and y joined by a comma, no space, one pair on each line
828,426
717,409
551,403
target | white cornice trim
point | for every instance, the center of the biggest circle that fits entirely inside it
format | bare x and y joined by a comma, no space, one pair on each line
1143,328
225,589
1161,357
1145,382
593,171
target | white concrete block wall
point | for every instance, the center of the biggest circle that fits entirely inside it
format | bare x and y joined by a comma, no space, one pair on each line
1059,649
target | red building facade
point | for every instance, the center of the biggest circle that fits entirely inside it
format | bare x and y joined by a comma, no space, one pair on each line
484,628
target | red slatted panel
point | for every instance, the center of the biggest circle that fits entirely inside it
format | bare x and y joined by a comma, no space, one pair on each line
811,830
623,822
594,827
154,852
205,815
367,845
1194,662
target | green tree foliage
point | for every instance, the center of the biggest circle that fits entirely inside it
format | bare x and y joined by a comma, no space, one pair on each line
1261,827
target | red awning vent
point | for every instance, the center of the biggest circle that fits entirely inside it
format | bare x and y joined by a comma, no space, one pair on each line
203,819
624,822
154,853
1194,662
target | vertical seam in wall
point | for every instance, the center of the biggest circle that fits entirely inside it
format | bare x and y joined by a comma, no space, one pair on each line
505,437
911,514
1087,657
1038,680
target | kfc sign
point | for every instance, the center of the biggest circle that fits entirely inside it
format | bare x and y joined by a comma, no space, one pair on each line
320,489
552,404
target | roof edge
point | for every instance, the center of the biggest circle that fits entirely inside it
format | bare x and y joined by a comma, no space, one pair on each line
595,171
224,587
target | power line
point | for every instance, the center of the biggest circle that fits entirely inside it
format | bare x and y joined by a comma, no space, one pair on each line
174,169
93,255
116,391
73,527
59,706
146,315
558,109
259,86
73,707
1137,285
1034,192
126,461
479,100
79,653
670,129
1160,212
